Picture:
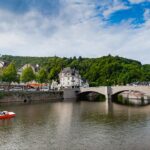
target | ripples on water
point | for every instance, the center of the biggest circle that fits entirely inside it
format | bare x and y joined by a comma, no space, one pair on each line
76,126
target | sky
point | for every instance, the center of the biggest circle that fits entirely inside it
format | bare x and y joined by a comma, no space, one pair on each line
67,28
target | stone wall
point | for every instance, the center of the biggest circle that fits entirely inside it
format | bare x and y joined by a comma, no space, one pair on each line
28,97
70,93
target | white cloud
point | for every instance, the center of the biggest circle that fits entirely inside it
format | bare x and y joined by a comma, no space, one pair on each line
74,32
115,6
147,14
111,10
138,1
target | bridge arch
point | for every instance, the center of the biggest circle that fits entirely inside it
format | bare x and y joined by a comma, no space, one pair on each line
117,90
91,96
100,90
121,91
86,92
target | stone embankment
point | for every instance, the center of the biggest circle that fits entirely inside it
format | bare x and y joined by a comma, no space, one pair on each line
28,97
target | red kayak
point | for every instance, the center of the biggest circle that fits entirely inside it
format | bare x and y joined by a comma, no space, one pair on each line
7,115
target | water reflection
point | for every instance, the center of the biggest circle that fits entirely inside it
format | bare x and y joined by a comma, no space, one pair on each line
71,125
6,122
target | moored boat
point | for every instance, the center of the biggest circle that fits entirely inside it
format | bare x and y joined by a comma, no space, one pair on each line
7,115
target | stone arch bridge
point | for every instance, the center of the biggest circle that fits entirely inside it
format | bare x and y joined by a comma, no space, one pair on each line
109,91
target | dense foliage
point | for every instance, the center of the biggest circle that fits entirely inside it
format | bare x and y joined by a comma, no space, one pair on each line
9,73
41,76
107,70
27,75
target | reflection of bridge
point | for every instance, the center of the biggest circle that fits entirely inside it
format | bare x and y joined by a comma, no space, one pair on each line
109,91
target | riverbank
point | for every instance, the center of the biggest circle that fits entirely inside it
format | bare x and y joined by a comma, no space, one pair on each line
22,97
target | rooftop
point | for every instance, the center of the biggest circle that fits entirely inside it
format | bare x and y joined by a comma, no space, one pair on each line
69,70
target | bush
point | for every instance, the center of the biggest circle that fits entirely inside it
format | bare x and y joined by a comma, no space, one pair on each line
1,95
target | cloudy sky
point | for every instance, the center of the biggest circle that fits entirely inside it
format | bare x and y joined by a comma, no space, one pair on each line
88,28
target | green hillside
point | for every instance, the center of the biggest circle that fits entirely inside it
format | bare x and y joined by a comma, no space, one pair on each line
106,70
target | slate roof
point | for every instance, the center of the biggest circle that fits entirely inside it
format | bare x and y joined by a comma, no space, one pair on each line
69,70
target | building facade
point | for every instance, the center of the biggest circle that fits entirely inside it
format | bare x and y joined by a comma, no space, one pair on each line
70,78
54,85
3,64
34,68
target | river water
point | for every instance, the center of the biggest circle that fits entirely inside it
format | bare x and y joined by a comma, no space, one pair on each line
76,126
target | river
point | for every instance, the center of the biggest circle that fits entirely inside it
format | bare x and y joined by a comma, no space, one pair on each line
76,126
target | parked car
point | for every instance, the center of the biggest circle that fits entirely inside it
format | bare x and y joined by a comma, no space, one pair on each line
44,88
2,89
16,89
31,89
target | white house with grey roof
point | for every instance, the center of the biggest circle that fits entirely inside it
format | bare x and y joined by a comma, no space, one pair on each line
3,64
70,78
35,68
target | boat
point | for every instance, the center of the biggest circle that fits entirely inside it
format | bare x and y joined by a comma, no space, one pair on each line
7,115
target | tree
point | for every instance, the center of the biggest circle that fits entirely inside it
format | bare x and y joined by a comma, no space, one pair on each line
52,75
106,70
42,76
1,74
9,73
27,75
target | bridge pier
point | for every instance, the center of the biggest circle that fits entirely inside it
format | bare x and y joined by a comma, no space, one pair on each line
108,93
109,107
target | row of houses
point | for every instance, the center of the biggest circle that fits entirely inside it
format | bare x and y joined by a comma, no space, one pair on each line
68,78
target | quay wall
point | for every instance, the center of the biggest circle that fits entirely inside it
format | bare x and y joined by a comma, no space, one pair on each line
29,97
70,94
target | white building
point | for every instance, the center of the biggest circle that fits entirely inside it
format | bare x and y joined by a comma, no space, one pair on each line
70,78
3,64
54,85
34,68
85,83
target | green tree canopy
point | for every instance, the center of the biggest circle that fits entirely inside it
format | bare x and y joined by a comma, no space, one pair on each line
1,74
53,74
42,76
9,73
106,70
27,75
